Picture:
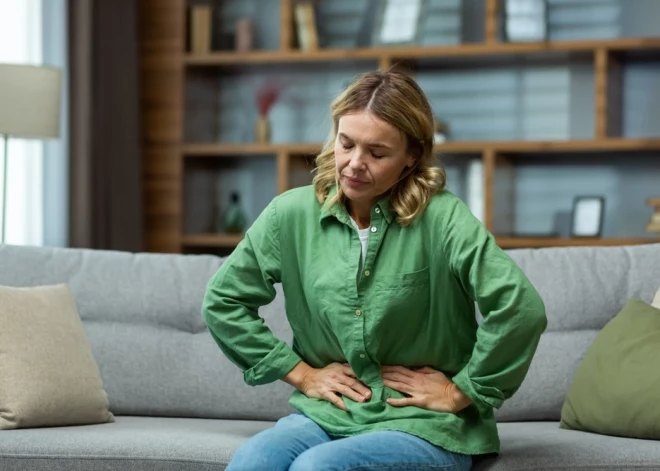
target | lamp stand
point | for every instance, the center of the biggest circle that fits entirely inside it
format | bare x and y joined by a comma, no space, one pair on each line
5,156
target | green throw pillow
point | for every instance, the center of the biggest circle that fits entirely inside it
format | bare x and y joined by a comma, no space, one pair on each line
616,389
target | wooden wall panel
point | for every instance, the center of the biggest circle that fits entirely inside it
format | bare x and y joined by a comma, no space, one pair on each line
162,42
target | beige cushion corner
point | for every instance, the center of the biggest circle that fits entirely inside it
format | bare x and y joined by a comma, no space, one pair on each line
656,300
48,375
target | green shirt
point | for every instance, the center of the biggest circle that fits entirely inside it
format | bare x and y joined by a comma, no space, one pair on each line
412,304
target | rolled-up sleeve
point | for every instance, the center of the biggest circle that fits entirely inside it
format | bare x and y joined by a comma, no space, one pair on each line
513,312
233,296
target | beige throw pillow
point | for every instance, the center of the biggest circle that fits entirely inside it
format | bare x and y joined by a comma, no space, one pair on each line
48,375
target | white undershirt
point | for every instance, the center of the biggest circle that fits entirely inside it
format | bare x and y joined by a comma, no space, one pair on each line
363,234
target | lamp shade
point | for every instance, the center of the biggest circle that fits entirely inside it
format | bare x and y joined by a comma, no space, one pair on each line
29,101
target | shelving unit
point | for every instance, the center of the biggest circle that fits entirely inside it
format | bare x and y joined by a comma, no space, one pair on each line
168,71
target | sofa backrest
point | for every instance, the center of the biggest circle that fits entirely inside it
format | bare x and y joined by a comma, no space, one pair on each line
583,288
142,315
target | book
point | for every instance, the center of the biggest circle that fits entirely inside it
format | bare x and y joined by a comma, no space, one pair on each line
308,39
200,29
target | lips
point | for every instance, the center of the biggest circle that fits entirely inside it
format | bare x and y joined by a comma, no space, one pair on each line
355,181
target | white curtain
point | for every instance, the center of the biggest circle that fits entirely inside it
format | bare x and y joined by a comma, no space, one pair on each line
21,43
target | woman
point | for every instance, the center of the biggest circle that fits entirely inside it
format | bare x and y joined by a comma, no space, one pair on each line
380,267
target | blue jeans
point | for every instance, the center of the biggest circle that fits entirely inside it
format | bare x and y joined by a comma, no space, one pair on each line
296,443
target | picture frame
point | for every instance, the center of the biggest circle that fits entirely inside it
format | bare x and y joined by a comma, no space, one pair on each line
587,216
398,22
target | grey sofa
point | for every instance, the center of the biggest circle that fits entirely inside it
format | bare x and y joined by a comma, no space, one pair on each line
180,405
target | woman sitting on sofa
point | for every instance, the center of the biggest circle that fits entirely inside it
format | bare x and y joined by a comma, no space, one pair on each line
380,267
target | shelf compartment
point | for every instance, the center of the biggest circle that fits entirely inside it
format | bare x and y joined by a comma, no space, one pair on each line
533,196
209,184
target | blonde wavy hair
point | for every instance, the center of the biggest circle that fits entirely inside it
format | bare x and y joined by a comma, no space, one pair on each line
398,100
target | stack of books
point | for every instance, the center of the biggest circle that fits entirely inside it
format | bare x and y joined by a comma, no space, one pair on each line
654,224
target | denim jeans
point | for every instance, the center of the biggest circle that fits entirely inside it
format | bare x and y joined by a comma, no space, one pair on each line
296,443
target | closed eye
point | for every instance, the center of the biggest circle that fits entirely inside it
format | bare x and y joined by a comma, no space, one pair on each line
375,156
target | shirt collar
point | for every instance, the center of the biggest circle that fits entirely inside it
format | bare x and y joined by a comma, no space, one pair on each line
339,210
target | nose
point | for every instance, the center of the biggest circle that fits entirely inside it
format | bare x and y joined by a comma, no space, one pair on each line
357,160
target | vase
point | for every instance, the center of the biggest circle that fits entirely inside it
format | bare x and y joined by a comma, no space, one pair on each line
233,218
262,130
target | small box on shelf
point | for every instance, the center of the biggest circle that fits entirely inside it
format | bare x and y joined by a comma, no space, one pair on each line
654,222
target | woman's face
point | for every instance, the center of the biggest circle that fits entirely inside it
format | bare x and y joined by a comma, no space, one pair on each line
370,156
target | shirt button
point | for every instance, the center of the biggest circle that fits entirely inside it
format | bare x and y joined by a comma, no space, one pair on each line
373,229
377,210
362,355
358,313
367,273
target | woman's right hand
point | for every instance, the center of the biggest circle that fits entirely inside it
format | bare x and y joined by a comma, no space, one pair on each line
326,383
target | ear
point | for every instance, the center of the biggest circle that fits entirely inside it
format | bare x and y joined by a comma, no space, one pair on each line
410,161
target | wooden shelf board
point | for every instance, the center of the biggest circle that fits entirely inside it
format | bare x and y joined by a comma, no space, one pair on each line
585,145
475,147
533,242
419,52
232,240
211,240
232,150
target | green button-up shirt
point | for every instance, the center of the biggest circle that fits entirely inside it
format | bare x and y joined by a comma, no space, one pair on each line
412,303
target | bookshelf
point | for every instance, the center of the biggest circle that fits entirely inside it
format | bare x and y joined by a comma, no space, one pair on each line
170,110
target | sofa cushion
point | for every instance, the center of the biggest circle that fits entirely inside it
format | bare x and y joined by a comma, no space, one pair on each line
583,288
615,389
48,375
130,443
533,446
162,444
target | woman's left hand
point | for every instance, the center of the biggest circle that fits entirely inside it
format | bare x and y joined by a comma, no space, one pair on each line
428,388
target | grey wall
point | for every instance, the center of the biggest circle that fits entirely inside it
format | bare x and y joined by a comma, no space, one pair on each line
302,113
641,98
265,17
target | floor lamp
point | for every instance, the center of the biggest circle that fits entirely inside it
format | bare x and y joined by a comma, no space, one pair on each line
29,109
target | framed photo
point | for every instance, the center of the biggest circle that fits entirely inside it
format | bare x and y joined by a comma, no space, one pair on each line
398,22
587,218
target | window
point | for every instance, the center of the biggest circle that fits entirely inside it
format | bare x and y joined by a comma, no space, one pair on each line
21,43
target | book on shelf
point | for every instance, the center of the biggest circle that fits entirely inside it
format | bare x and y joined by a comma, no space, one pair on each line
308,38
200,29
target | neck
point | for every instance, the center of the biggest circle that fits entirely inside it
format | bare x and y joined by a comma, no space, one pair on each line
361,213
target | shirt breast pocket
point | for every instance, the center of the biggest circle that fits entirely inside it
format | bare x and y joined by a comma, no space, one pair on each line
403,282
404,292
400,306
